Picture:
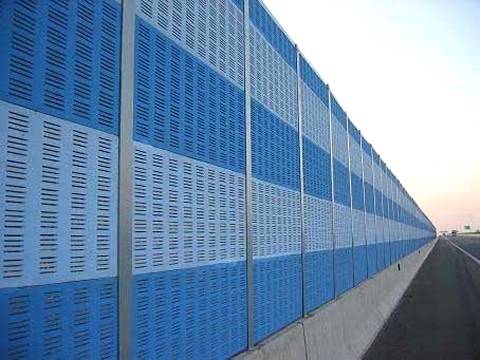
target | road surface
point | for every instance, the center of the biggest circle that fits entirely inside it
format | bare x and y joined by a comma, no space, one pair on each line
469,244
439,314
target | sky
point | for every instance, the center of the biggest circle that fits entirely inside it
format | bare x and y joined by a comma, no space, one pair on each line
407,73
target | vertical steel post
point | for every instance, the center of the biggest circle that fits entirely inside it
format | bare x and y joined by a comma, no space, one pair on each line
351,200
302,217
333,186
248,177
125,174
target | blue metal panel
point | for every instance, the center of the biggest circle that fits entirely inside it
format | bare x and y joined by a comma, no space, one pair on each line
239,4
211,30
371,245
342,214
360,257
359,246
378,202
338,113
277,259
356,165
343,249
62,58
380,244
341,183
189,296
58,182
369,198
354,132
339,134
194,313
343,270
60,321
319,251
319,278
370,209
278,293
183,106
317,171
386,231
275,149
357,192
58,196
366,147
314,82
272,32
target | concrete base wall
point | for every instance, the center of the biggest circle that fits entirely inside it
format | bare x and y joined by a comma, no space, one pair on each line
344,328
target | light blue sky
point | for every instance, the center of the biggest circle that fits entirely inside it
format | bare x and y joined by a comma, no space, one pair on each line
408,75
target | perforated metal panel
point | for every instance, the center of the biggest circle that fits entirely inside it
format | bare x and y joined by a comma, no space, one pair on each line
212,30
371,245
369,209
341,183
317,171
183,106
343,249
358,201
342,225
276,220
59,121
273,80
276,183
194,313
278,293
357,165
318,220
317,178
316,134
367,162
186,212
315,113
386,215
359,246
319,248
59,114
58,190
67,320
63,58
315,119
379,228
272,32
189,292
275,149
339,134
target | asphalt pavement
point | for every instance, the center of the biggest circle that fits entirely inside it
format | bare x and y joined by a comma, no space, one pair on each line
439,314
470,244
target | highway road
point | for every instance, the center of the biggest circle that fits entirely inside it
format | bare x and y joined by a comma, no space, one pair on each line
469,244
439,314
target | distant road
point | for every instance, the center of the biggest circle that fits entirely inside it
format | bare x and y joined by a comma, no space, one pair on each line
439,315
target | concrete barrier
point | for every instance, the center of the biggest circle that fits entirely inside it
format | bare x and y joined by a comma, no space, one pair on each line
344,328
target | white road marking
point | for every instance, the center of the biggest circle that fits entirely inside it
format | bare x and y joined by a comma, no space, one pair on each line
465,252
